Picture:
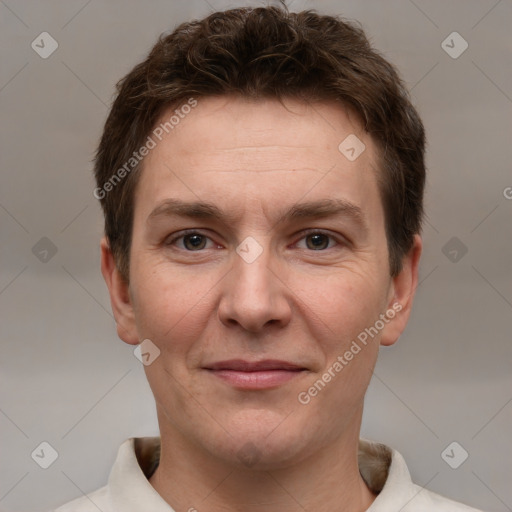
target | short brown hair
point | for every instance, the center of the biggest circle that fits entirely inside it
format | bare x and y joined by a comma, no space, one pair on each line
267,53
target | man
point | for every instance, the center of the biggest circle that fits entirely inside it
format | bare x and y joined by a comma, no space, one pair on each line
261,175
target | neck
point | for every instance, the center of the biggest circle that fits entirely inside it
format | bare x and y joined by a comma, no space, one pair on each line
328,480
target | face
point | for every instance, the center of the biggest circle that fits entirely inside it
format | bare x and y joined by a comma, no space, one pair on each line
259,259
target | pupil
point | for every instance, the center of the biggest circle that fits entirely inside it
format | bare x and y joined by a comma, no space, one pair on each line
195,240
317,240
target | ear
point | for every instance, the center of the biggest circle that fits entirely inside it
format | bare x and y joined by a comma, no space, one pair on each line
401,294
120,299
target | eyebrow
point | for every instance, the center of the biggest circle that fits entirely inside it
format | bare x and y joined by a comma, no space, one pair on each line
309,210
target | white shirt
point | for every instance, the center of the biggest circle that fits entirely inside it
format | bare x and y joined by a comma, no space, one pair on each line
383,469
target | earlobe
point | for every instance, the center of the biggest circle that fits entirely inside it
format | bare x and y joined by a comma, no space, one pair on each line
402,294
120,299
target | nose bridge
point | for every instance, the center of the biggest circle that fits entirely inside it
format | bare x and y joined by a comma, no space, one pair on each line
251,267
252,276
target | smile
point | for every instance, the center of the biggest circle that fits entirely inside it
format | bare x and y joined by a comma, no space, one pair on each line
255,375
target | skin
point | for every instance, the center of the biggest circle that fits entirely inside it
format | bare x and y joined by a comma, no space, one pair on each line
295,302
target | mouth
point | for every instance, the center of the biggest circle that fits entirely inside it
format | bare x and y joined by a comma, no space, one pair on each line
255,375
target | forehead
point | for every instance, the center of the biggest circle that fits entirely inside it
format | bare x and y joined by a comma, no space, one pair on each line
245,153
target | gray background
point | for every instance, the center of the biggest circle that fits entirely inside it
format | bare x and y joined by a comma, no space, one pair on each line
65,376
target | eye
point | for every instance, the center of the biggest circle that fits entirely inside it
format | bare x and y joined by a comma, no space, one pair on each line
195,241
192,241
318,240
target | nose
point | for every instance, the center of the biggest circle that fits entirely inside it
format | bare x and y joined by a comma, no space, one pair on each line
254,294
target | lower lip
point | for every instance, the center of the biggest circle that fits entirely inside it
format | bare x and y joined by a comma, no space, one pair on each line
256,380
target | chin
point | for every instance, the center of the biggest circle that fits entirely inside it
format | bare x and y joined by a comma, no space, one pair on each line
263,455
257,445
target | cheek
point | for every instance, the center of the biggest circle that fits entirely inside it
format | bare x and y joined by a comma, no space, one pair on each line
171,308
343,313
346,313
343,303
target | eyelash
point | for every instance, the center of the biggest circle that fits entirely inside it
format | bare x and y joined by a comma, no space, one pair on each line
305,234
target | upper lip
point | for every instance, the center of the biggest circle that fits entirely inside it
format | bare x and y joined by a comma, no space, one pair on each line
255,366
